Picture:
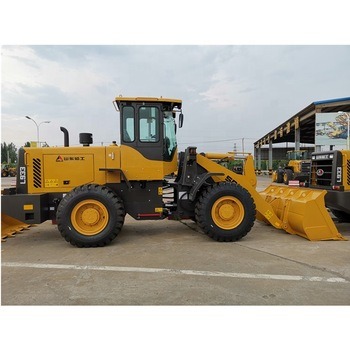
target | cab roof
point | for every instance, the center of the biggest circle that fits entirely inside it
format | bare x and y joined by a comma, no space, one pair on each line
169,101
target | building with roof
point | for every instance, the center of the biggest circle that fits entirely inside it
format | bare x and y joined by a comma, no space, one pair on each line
298,129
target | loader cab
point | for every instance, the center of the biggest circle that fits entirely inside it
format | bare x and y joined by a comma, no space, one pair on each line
298,155
148,125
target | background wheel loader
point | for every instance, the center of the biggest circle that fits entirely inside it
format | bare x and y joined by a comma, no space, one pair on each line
88,190
7,170
298,168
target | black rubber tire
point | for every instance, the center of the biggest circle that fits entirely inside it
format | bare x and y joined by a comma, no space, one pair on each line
288,175
206,201
108,200
341,215
279,176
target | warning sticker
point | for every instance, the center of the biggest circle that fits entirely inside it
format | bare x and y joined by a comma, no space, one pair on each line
51,182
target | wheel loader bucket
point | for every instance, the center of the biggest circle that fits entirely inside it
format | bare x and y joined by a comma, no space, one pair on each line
10,226
302,212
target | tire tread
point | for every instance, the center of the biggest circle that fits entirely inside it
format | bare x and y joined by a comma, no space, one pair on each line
92,190
208,226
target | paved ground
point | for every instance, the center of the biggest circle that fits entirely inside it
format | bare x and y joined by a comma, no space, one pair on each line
173,263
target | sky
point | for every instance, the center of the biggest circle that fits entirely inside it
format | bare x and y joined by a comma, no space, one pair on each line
232,94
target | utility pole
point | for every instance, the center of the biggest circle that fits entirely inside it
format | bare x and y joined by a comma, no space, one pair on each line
37,128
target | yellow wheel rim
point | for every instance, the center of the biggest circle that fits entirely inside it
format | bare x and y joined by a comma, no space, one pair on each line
274,176
285,177
227,212
89,217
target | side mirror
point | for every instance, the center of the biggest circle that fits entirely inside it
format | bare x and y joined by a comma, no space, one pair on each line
181,120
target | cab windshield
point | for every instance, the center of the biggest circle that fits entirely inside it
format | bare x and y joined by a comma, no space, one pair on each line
297,155
170,143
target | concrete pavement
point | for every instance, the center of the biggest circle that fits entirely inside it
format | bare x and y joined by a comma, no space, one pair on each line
174,263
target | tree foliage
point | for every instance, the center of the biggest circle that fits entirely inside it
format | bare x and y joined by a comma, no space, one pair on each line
8,153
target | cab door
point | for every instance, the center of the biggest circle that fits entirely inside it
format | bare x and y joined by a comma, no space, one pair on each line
142,141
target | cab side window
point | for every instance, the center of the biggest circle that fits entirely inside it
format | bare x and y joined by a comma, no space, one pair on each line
128,124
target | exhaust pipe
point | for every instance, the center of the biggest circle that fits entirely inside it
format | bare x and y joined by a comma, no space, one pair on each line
66,136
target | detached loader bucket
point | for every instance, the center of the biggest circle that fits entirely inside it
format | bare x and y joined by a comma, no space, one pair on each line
10,226
302,212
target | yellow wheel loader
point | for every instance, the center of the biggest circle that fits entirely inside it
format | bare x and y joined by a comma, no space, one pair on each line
7,170
298,168
88,190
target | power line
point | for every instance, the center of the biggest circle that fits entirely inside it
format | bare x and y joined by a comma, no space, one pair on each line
213,141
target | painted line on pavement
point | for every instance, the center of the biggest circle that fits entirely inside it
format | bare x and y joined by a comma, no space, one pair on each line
177,272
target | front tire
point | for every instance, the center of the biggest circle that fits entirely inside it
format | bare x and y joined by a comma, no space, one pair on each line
288,175
274,176
279,176
90,216
225,212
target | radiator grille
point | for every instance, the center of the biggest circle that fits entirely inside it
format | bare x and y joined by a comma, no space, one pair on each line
322,173
37,172
305,167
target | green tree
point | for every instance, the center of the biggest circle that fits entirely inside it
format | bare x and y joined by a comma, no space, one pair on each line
8,152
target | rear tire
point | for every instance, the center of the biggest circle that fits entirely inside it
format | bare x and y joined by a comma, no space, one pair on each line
225,212
90,216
